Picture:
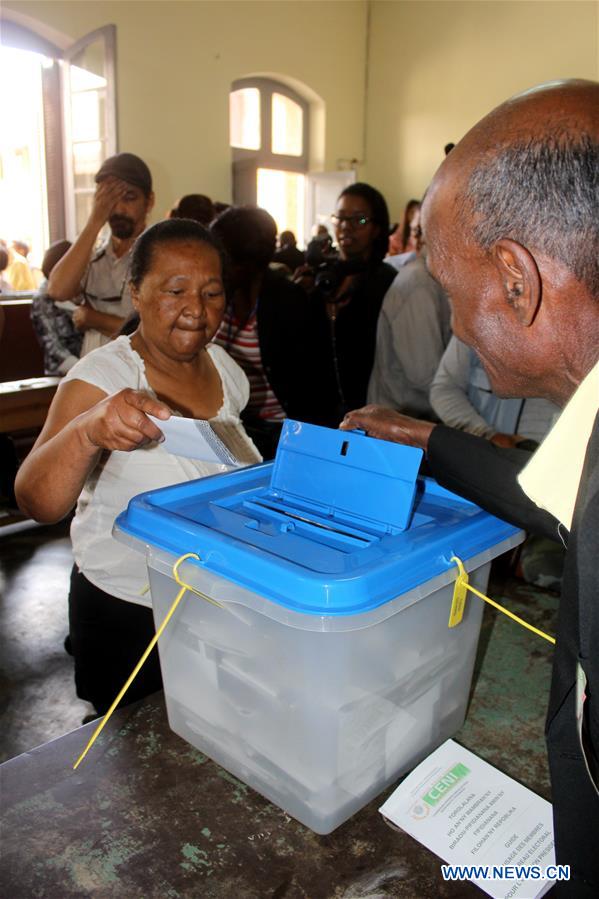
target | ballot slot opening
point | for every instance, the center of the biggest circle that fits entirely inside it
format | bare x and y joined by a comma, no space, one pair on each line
304,522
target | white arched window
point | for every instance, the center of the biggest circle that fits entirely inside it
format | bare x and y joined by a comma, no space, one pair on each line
269,137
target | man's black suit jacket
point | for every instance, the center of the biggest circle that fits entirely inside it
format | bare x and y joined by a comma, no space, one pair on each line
487,475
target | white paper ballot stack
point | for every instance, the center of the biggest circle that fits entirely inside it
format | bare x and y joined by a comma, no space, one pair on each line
470,814
194,438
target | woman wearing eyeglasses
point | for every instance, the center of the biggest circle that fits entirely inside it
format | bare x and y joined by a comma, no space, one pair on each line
346,301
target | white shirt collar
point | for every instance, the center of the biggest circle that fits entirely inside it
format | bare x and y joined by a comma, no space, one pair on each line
552,476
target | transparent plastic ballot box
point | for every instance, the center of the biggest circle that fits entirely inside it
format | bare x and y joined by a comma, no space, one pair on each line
329,669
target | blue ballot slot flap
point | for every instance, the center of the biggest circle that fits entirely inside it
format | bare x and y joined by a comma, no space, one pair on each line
345,476
338,524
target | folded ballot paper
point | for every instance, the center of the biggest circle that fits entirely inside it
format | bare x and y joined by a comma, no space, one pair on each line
487,827
194,438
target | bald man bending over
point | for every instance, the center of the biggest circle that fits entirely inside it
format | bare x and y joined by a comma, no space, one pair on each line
512,226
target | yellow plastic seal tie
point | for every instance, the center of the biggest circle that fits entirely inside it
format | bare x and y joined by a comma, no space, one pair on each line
460,592
149,649
492,602
188,586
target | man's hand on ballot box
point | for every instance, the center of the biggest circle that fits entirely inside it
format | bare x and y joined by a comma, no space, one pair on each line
386,424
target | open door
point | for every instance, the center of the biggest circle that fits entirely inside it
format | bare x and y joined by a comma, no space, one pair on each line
88,84
322,190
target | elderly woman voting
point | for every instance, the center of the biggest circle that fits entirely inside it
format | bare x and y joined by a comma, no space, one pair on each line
99,447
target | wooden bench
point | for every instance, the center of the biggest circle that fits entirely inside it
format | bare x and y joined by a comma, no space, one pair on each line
21,355
24,404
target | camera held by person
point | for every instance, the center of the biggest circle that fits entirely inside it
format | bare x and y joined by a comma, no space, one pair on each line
329,270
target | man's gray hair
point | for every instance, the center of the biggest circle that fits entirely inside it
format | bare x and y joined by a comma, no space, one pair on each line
544,194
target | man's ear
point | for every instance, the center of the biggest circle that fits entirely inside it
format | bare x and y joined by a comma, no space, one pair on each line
520,279
150,202
134,296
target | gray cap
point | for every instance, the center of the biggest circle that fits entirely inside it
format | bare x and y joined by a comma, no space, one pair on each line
129,168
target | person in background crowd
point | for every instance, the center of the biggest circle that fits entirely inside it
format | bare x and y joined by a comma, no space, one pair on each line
220,207
197,207
5,286
99,448
18,273
322,231
265,326
288,253
414,243
345,302
511,222
413,330
404,239
19,246
98,280
53,322
395,242
461,397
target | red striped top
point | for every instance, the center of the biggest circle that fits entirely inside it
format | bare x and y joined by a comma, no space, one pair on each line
242,345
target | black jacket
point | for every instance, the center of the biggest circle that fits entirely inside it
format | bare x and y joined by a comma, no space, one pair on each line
343,350
291,257
485,474
284,334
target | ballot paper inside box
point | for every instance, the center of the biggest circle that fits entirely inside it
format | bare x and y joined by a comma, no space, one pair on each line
330,669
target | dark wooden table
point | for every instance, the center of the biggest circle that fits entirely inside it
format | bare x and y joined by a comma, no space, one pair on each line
146,815
24,404
21,355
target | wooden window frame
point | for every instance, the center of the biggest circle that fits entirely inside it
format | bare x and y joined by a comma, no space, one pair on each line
247,162
59,178
264,158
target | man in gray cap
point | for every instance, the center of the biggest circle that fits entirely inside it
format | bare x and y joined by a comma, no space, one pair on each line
97,279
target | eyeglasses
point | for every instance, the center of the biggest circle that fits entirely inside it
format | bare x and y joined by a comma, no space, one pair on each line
356,221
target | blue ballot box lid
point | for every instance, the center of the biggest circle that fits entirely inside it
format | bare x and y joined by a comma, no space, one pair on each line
338,524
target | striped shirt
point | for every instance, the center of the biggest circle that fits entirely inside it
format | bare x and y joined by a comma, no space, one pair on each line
243,346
